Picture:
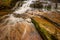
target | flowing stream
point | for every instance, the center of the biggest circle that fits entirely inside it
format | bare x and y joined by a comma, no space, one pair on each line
20,10
25,7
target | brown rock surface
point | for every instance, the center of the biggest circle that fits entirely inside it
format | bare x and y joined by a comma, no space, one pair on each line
19,31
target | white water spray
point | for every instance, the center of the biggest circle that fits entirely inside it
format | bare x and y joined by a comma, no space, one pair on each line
21,10
24,7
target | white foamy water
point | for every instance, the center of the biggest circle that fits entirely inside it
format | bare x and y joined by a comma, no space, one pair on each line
25,7
20,10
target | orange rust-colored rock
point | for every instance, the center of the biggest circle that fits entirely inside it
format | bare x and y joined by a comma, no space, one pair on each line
19,31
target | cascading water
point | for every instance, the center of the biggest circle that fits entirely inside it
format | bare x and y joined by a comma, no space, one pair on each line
20,10
25,7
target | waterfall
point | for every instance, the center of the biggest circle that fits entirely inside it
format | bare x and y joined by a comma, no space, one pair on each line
24,8
20,10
